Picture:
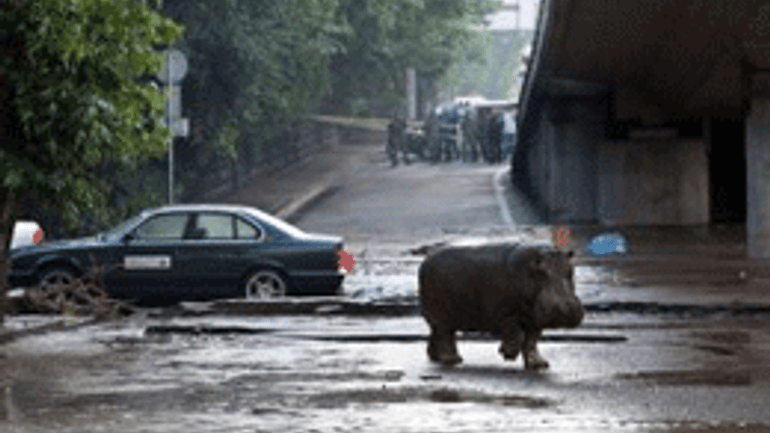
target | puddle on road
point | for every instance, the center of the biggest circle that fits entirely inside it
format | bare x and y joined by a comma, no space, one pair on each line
691,377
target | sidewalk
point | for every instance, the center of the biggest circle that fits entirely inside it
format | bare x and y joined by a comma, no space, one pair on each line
289,192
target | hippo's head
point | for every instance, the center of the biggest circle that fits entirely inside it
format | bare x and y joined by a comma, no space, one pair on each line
556,305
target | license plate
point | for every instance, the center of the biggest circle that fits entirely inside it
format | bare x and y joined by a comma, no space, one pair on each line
146,262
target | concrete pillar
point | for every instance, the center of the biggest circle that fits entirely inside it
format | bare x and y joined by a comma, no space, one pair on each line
758,179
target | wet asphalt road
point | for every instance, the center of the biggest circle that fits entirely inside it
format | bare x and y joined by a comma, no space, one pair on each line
617,372
322,374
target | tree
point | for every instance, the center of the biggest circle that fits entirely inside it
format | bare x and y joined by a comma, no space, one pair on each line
69,70
389,36
493,71
256,67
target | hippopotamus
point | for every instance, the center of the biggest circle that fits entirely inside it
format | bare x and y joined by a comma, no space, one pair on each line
512,290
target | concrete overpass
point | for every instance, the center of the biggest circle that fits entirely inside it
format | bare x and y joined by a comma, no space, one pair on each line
647,112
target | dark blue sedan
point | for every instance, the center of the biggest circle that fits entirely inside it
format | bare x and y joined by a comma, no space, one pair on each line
191,252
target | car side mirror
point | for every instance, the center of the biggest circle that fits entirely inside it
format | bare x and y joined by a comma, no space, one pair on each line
128,237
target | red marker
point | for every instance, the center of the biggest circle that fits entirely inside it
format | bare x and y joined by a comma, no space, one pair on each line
346,260
38,236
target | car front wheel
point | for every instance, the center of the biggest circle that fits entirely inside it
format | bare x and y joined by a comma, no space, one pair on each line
55,288
266,284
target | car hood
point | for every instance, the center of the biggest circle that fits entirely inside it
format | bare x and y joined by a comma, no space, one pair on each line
44,246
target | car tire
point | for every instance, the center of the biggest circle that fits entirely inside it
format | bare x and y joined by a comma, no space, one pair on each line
266,284
55,288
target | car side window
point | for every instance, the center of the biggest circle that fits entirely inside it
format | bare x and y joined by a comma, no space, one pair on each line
215,226
163,227
245,230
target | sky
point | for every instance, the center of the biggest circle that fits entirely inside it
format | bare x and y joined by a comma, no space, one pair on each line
507,20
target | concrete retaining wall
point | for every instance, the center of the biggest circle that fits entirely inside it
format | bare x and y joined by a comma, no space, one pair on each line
579,176
653,182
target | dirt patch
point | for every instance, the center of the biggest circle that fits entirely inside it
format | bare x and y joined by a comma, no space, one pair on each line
726,337
692,377
341,399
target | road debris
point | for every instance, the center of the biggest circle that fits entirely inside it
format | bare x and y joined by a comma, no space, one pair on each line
83,296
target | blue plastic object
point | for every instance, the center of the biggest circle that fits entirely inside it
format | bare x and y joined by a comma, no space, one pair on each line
607,244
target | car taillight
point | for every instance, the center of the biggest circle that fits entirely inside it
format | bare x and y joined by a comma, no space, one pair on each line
346,260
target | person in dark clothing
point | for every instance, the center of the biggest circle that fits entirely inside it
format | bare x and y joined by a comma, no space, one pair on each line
495,138
392,146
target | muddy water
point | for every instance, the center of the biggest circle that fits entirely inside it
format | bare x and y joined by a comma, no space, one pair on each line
283,379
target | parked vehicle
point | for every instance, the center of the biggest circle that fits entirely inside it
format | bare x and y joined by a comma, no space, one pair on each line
191,252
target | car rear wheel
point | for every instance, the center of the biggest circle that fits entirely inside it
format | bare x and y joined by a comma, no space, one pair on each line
266,284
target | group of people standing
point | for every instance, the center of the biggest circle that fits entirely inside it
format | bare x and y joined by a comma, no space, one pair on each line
460,132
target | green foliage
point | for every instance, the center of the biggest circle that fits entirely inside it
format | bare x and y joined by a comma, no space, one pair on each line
255,67
389,36
228,141
489,71
82,107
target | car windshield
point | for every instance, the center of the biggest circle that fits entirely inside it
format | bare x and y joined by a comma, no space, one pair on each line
120,228
279,224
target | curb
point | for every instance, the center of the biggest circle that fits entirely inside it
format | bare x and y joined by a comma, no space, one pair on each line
8,336
502,202
305,202
324,306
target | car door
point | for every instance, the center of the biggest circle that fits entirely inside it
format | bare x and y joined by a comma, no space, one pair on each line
215,253
149,263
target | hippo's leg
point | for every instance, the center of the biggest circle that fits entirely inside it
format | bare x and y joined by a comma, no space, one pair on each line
512,340
532,358
442,346
433,347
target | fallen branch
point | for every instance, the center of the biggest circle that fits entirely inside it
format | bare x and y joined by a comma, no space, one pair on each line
83,296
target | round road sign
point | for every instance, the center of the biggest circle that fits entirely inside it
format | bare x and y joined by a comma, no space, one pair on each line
178,62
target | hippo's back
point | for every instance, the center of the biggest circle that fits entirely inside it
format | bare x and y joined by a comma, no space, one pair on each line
466,286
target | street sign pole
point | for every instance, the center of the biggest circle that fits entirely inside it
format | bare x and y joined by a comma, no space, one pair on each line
174,70
169,94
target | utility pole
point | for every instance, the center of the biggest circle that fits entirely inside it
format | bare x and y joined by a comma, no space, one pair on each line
169,122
